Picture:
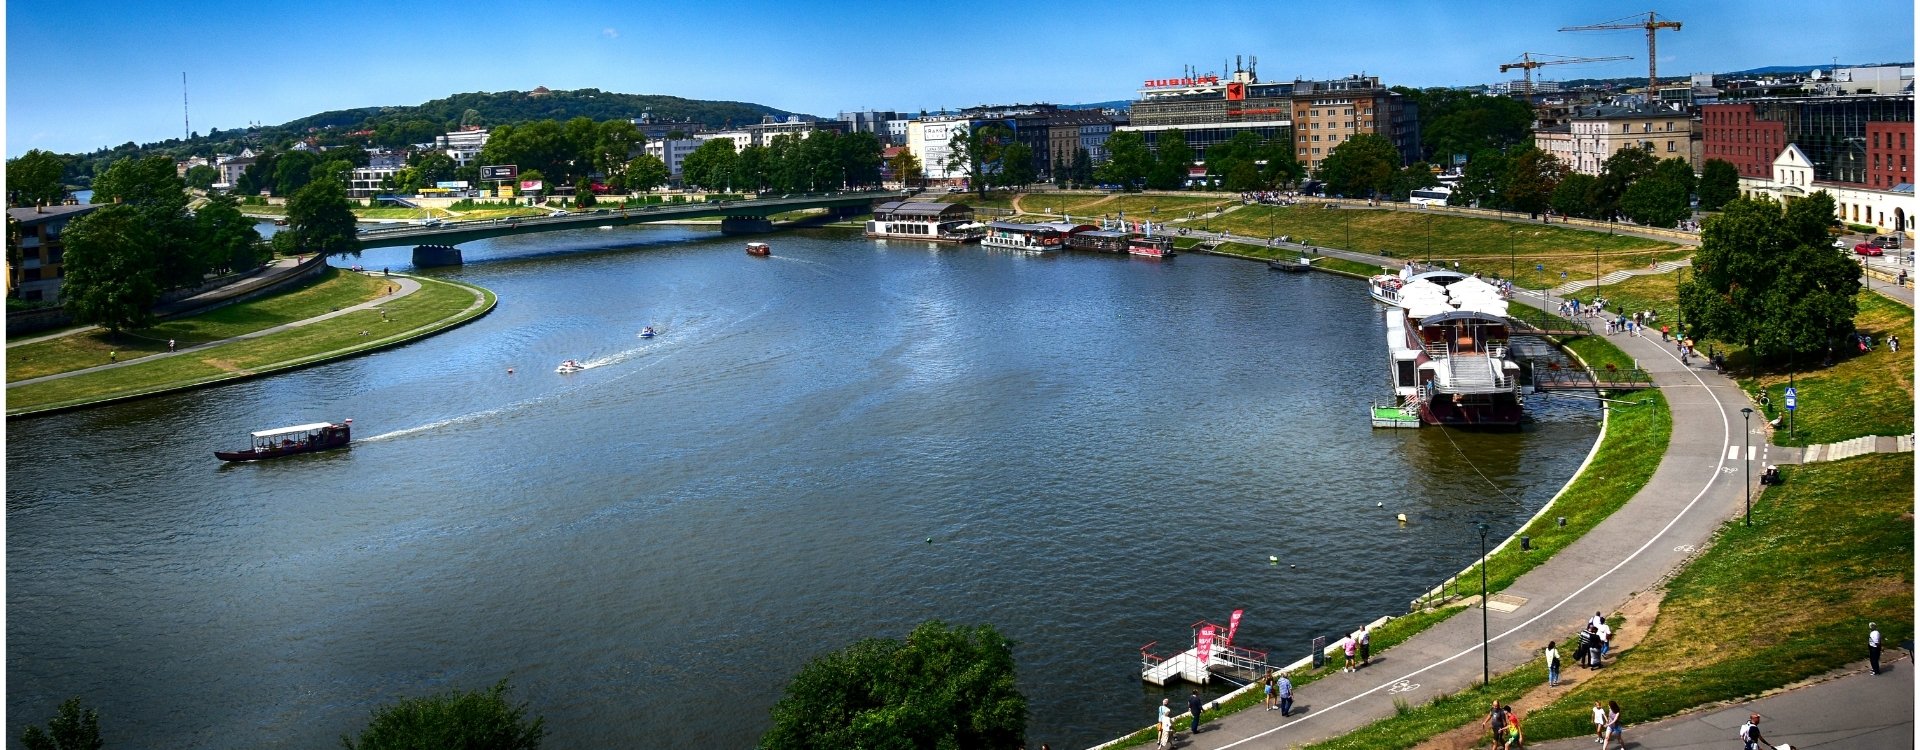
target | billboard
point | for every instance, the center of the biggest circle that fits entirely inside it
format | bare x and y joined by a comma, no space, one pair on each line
500,172
452,184
505,191
528,186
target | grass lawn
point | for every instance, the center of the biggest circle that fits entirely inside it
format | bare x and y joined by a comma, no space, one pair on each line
1157,208
400,212
1829,550
267,210
435,305
495,213
1411,725
1487,245
1867,393
332,290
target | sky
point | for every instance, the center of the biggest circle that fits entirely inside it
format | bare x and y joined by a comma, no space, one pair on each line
84,75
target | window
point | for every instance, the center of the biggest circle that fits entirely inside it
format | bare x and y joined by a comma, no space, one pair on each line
1316,152
1316,137
1669,147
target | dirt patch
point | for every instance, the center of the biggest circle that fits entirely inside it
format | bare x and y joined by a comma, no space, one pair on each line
1637,618
224,365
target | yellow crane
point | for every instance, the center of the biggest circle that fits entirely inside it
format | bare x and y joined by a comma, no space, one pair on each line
1652,23
1527,63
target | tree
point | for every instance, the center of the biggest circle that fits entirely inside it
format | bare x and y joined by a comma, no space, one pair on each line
1233,165
70,729
975,152
1661,198
320,220
583,192
1480,183
111,268
202,177
476,720
905,167
1719,183
1363,165
859,155
614,146
1532,176
1619,172
1282,169
711,165
1766,278
1459,123
1128,160
1169,171
1574,196
1082,167
225,240
152,188
645,172
750,169
1016,166
942,688
34,178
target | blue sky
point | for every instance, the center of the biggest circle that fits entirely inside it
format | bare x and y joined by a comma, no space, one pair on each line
85,75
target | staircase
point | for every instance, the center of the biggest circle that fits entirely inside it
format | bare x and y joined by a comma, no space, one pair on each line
1471,372
1668,266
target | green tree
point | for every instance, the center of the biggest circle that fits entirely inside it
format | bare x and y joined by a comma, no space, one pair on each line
975,153
320,219
1460,123
583,192
645,172
1766,278
711,165
1016,166
1574,196
1661,198
111,268
1532,176
905,167
1481,181
1082,167
1169,171
859,155
1618,173
202,177
226,240
1719,183
293,170
1364,165
942,688
1234,165
71,729
1282,169
750,169
34,178
433,166
616,144
1128,160
154,189
474,720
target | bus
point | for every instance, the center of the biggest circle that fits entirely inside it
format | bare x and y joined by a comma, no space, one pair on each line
1430,196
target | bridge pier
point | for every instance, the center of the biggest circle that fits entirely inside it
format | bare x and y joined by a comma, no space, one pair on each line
745,225
428,256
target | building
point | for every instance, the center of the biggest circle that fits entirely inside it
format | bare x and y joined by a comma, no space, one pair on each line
231,167
1831,130
930,139
40,250
868,121
1316,116
1879,79
1794,174
1093,135
463,146
1594,134
371,180
897,132
1343,108
180,167
674,152
1068,131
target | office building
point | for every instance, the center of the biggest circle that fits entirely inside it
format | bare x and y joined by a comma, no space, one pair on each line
40,250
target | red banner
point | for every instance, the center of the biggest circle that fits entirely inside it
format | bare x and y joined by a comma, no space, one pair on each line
1206,644
1233,625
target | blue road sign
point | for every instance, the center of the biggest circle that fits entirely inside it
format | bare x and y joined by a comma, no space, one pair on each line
1792,396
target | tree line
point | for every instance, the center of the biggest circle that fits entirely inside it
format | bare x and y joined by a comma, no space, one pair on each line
790,162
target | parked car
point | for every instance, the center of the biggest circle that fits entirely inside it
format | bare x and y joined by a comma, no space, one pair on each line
1840,244
563,212
1868,248
1888,241
956,189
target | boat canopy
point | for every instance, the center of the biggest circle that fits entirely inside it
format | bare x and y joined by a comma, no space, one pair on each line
292,430
1452,316
1106,233
1440,277
1471,285
1014,226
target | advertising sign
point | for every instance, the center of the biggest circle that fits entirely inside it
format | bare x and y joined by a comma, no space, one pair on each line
1206,644
1236,91
1233,625
505,191
500,172
452,184
528,186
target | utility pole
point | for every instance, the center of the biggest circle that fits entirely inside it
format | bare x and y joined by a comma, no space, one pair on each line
186,131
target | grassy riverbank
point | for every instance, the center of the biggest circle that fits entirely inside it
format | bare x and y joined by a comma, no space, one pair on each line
438,305
331,290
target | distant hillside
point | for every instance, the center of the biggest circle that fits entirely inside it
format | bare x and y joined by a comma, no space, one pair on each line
1775,69
511,107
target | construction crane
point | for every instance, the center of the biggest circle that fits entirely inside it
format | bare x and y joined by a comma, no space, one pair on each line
1528,63
1652,23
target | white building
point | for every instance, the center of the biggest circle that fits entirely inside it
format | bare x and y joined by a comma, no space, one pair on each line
674,152
741,139
463,146
929,140
1889,210
1880,79
897,132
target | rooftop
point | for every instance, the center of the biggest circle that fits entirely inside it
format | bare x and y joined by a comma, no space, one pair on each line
31,215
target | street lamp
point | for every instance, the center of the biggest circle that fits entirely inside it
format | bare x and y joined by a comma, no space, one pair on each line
1746,415
1486,668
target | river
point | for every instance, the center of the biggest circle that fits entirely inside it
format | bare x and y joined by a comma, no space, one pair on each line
837,442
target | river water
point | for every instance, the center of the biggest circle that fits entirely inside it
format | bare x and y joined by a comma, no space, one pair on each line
840,441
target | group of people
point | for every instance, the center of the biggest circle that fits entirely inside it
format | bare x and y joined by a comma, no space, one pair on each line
1270,197
1194,707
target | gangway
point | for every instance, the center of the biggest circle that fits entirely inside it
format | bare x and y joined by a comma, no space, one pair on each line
1206,659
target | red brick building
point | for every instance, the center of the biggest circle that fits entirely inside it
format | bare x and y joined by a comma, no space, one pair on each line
1732,134
1889,154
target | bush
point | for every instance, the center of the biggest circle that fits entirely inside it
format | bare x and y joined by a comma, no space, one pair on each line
71,729
481,720
1863,228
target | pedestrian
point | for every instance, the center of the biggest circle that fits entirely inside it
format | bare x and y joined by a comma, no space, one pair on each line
1893,343
1582,652
1873,647
1553,665
1194,707
1613,727
113,356
170,345
1606,639
1750,734
1496,723
1596,620
1285,691
1514,738
1599,722
1366,645
1348,645
1594,645
1166,724
1267,688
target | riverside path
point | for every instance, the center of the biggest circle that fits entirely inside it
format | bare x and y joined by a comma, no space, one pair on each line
1697,486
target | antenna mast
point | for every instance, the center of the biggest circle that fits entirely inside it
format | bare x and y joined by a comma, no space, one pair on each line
186,119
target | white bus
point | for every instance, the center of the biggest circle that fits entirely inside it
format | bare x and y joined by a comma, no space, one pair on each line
1430,196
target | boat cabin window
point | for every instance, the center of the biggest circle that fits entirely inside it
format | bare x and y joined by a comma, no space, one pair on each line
1403,374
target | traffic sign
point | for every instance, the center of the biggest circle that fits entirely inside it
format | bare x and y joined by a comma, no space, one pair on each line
1792,396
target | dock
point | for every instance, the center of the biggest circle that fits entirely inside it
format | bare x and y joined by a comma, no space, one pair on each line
1236,664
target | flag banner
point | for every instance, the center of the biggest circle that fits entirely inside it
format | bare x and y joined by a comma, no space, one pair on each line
1206,644
1233,625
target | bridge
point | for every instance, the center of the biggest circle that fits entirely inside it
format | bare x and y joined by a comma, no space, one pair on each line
434,244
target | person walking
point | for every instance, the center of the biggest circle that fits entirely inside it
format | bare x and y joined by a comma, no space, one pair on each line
1194,706
1873,647
1496,723
1514,739
1599,722
1553,665
1750,734
1606,640
1348,645
1267,687
170,345
1165,722
1366,645
1893,343
1584,652
113,356
1285,691
1613,727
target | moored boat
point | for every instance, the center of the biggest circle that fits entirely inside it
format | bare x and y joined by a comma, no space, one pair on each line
1296,265
1150,247
287,441
1447,350
759,249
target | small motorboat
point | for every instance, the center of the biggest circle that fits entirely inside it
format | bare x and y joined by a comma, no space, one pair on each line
570,366
759,248
647,332
287,441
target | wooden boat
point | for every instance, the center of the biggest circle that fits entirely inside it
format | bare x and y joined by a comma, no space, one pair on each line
287,441
759,248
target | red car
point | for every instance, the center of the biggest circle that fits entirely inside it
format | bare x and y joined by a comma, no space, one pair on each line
1868,248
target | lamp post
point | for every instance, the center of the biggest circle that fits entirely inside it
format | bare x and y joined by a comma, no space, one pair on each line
1486,669
1746,415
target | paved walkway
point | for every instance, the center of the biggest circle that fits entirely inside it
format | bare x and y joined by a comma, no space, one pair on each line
407,286
1696,487
267,274
1851,709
